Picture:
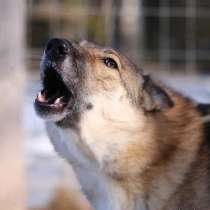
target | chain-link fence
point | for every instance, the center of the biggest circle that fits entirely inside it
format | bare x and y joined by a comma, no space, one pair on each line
171,35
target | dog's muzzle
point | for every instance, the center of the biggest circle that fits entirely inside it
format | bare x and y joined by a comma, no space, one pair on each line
55,94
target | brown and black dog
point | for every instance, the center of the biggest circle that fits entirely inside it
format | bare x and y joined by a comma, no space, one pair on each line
133,143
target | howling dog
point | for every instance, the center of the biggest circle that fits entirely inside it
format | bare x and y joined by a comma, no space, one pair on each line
133,143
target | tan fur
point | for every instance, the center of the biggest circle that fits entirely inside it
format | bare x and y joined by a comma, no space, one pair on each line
156,164
161,151
67,200
143,142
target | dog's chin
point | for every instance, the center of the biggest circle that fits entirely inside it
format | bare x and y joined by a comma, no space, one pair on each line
50,113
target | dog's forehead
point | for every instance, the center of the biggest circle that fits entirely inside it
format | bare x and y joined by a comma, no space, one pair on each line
86,44
94,48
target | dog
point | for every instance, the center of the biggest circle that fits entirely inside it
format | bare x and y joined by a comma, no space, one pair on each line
134,143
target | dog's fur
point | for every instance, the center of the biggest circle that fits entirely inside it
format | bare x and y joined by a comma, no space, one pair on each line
133,143
65,199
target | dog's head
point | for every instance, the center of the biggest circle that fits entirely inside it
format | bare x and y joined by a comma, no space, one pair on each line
80,77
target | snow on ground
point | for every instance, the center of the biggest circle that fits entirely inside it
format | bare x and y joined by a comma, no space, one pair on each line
196,87
45,170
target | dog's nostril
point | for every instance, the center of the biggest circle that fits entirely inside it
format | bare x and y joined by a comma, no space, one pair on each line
57,48
49,46
63,49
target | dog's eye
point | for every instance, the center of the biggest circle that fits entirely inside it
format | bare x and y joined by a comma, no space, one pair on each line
111,63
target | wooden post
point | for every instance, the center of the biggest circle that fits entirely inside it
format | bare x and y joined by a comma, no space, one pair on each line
11,92
129,26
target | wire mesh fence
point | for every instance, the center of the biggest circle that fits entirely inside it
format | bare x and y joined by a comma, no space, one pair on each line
171,35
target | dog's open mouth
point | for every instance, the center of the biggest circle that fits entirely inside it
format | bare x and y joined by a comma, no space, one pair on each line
55,95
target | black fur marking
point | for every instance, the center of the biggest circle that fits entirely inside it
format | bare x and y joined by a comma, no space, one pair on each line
204,109
154,97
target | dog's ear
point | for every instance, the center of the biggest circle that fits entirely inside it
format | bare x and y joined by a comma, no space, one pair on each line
154,98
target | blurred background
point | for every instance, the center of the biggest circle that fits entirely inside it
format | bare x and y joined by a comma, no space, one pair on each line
168,38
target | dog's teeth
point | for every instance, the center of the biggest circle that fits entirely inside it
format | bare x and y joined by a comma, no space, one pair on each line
40,97
58,101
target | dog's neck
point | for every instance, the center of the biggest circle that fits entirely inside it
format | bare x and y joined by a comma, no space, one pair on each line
105,189
102,192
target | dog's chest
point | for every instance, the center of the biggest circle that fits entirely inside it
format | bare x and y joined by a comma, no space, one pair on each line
99,189
93,182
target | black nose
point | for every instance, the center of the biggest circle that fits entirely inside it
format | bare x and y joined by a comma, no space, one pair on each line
57,48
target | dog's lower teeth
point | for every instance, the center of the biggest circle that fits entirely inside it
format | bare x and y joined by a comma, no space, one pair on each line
40,97
58,100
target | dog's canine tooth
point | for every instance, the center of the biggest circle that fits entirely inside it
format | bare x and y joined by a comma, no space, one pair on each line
40,97
58,100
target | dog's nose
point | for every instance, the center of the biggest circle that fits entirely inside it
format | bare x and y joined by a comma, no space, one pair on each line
57,48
